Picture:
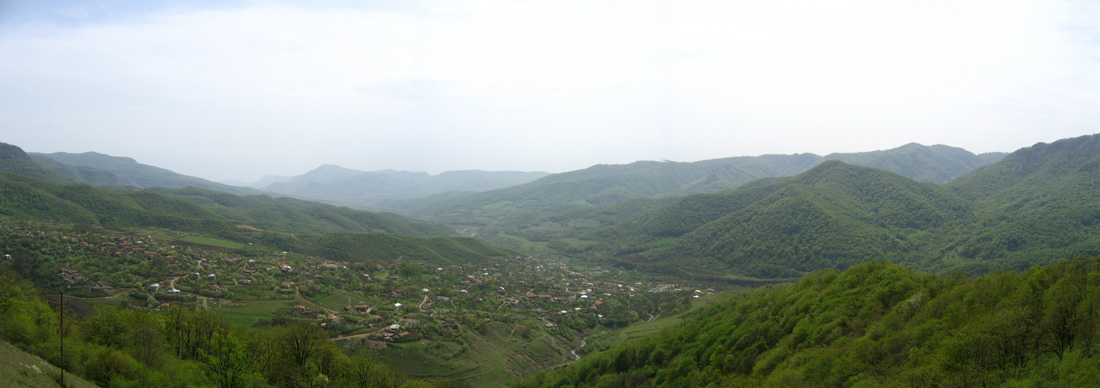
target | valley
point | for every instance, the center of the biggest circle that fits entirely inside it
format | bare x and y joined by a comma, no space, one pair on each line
572,279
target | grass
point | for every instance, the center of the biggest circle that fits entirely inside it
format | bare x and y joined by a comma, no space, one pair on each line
490,359
578,243
246,314
613,338
523,245
338,300
211,242
22,369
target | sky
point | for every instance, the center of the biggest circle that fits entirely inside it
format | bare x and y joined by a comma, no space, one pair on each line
237,90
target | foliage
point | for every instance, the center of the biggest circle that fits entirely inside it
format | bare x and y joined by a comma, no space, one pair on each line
874,324
1037,205
104,170
179,347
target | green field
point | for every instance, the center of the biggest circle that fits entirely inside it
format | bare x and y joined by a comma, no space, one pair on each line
488,359
613,338
338,300
246,314
211,242
22,369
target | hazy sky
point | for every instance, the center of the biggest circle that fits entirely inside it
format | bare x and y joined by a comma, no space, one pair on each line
239,90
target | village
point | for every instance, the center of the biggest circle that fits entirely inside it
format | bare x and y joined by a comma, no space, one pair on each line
370,301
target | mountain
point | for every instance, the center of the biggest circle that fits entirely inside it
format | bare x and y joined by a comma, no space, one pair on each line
604,185
268,181
935,164
567,212
342,185
284,223
13,159
1038,204
90,168
834,215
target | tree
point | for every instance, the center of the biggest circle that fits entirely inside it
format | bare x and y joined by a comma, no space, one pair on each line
227,362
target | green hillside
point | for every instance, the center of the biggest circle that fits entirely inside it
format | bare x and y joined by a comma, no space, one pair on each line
684,215
934,164
1038,204
564,212
289,214
28,199
604,185
834,215
22,369
874,325
14,160
83,174
391,247
96,169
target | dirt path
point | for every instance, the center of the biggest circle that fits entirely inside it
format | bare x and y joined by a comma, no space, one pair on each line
584,341
421,306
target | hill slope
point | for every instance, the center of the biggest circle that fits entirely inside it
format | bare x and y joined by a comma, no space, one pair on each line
605,185
1038,204
14,160
129,172
875,324
834,215
934,164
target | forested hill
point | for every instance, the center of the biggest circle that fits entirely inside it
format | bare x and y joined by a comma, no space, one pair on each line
14,160
935,164
834,215
105,170
605,185
1038,204
874,325
32,199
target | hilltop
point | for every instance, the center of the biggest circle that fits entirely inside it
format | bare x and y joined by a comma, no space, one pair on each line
104,170
1037,205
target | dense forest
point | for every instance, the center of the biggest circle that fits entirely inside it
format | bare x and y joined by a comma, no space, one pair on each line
874,324
1036,206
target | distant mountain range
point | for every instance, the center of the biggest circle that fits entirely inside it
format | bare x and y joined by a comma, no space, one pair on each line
606,185
337,184
934,208
104,170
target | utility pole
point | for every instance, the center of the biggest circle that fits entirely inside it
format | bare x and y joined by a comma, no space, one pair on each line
61,332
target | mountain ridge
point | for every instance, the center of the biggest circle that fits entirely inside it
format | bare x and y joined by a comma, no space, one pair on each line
1038,204
128,172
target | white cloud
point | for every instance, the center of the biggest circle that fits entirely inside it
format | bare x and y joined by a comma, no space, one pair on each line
278,89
